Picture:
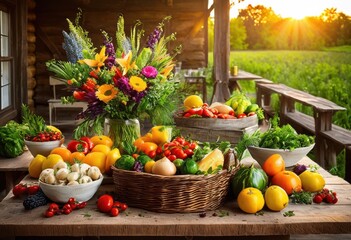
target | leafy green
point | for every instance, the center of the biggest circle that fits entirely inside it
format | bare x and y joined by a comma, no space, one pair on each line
12,139
301,197
35,123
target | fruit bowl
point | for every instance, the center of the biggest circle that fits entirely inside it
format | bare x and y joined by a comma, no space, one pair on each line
43,148
61,193
290,157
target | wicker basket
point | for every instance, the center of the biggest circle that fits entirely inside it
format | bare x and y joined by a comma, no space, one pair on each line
175,194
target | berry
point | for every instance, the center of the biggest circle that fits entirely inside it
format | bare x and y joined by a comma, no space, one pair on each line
36,200
114,212
318,198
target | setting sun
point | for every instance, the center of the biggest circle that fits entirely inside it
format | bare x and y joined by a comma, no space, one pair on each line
296,9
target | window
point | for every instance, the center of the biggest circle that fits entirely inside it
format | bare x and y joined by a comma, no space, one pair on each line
6,62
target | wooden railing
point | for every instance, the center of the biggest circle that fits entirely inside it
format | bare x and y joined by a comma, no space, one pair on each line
330,139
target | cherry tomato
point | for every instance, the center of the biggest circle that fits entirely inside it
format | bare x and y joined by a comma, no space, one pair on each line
192,145
152,154
49,213
180,140
53,207
81,205
19,190
123,206
189,152
114,212
243,115
166,153
159,150
172,157
105,203
33,189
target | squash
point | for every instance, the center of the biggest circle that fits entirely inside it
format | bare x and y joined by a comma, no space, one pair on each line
248,176
211,161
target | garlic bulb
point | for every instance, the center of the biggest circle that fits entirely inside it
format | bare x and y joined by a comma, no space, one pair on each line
62,173
72,176
85,179
94,172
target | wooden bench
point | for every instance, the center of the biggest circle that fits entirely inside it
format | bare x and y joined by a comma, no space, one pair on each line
320,124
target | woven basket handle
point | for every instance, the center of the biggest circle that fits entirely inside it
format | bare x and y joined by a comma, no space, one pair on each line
229,159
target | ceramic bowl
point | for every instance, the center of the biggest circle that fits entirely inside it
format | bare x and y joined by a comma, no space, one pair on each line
61,193
290,157
43,148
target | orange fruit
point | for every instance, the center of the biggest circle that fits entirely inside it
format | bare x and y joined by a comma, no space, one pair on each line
76,157
97,159
63,152
111,158
101,148
102,139
287,180
273,164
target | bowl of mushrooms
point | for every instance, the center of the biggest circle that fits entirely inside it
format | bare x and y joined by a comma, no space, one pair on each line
79,181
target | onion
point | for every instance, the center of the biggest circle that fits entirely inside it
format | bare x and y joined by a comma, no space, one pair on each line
299,168
164,167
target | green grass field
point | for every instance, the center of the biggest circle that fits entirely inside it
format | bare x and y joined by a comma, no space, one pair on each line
322,73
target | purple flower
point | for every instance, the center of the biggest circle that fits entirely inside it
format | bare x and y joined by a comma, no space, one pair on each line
149,72
110,51
153,38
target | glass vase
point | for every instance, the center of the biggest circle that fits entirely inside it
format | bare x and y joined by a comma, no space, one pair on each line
122,132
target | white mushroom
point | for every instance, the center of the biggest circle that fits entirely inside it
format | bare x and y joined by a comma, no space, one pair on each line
72,176
94,173
60,182
75,167
59,165
62,173
85,179
72,183
50,179
45,173
84,169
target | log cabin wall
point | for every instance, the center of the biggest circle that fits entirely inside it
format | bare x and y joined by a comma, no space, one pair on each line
189,21
31,59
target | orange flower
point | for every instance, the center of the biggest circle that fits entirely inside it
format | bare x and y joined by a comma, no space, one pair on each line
137,83
126,63
166,71
106,92
99,60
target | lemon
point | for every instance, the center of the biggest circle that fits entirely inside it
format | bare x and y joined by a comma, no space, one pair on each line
193,101
276,198
148,166
161,134
51,160
35,166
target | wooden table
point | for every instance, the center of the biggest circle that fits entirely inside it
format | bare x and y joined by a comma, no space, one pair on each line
12,166
229,220
242,75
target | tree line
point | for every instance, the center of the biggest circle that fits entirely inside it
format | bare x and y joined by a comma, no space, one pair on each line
259,27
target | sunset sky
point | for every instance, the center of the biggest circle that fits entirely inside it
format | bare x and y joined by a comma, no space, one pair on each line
296,8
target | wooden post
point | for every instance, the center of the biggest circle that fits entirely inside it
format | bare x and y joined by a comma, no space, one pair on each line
221,51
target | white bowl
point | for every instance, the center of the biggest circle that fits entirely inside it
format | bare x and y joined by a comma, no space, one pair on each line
290,157
61,193
43,148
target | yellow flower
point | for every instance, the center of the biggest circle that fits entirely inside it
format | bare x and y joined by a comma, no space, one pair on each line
126,63
137,83
99,60
167,70
106,92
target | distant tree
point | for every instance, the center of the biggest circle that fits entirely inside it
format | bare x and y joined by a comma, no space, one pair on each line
237,34
258,21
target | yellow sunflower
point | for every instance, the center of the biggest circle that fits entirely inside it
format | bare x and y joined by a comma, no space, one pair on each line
106,92
137,83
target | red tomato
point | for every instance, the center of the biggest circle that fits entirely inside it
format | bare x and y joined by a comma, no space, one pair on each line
189,152
243,115
105,203
114,212
33,189
172,157
152,154
19,190
192,145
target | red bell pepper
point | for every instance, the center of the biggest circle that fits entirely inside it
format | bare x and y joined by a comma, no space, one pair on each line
87,140
78,146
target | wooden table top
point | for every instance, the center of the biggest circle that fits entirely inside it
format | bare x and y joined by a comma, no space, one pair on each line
243,75
229,220
19,163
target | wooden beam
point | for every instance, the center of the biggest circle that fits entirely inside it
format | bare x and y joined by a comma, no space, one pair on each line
50,45
221,51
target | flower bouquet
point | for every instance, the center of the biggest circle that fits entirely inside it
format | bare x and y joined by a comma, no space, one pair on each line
120,81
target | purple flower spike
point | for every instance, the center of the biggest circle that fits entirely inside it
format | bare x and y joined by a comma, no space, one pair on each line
149,72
